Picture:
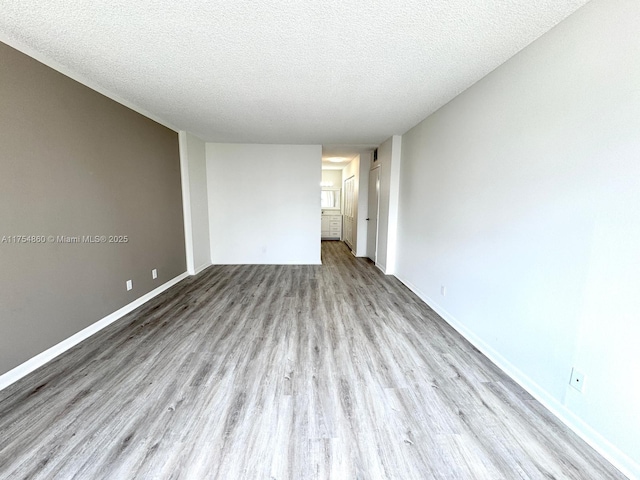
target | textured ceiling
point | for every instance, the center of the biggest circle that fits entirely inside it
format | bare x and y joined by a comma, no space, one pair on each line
340,72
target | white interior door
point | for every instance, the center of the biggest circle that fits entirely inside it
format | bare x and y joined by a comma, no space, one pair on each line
348,212
372,215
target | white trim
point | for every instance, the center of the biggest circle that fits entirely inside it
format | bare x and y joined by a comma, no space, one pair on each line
58,67
186,201
604,447
41,359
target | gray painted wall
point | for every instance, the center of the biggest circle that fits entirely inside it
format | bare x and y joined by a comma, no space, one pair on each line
73,162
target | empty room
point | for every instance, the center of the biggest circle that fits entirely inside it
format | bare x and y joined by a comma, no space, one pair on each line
331,240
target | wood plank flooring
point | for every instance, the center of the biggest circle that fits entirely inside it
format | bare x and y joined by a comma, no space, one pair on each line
283,372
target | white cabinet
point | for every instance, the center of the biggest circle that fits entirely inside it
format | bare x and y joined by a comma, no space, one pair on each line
331,226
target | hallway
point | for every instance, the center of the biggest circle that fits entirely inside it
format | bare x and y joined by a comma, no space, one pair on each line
245,371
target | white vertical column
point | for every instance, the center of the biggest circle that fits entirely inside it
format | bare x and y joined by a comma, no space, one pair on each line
394,200
186,201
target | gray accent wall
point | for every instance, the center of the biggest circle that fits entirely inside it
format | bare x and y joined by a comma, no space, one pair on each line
75,163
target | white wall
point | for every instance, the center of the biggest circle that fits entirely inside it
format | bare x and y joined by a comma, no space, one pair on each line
194,201
334,176
264,203
389,155
522,196
199,202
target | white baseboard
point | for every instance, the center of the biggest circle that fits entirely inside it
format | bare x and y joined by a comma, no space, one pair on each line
605,448
39,360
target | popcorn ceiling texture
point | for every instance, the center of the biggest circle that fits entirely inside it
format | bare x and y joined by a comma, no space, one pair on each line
265,71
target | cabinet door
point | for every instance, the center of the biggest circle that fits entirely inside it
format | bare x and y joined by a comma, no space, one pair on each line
325,226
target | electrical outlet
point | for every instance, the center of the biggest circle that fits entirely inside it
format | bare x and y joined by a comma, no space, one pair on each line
577,379
443,290
129,285
154,273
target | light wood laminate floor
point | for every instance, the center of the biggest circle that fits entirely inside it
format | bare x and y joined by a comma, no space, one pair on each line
283,372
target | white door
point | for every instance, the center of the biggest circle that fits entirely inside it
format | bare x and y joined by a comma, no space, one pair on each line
349,212
372,215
